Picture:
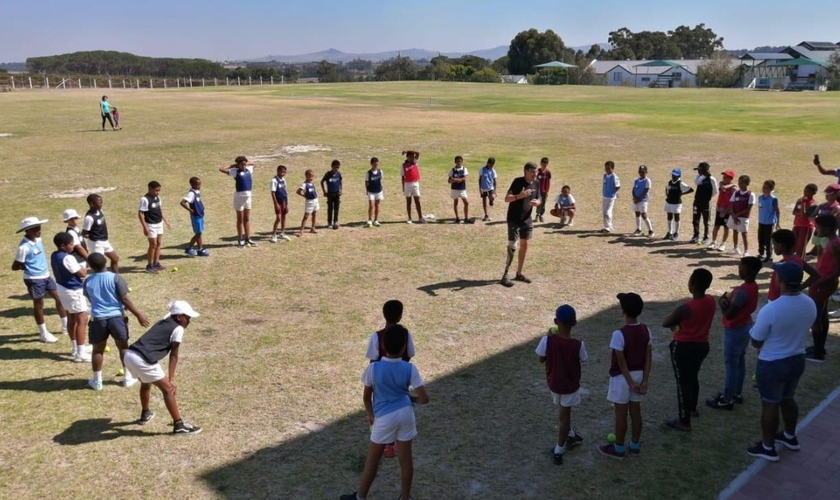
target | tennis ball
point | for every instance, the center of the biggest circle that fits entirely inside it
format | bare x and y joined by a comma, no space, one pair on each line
130,289
553,330
611,437
107,348
121,372
175,269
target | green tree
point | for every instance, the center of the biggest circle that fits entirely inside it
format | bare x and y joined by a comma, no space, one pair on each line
531,47
326,72
397,68
697,42
486,75
500,65
834,71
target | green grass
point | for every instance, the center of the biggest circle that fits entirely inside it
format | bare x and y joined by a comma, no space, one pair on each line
271,368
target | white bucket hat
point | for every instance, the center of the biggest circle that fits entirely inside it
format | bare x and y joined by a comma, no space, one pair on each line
69,214
182,307
30,222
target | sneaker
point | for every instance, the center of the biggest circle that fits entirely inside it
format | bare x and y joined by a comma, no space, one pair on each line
485,218
369,223
738,399
251,243
571,223
668,236
506,282
151,270
146,416
651,234
705,242
736,251
718,403
273,238
159,266
637,232
191,252
376,223
605,231
815,357
721,247
791,444
241,244
128,381
834,314
47,338
336,226
694,239
421,220
675,236
634,452
712,246
758,450
609,450
96,385
409,221
284,236
522,278
558,457
203,253
349,496
746,254
457,221
181,427
809,350
574,439
469,221
81,357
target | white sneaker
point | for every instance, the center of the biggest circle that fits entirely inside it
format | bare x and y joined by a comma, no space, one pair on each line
705,242
95,385
64,331
47,338
712,246
836,297
746,254
284,237
369,223
376,223
834,314
736,251
409,221
273,239
721,247
128,381
81,357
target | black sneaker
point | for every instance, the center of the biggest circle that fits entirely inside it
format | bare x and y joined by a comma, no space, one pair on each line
634,452
522,278
574,439
558,457
791,444
469,221
241,244
719,403
637,232
809,350
815,357
146,416
457,221
668,236
694,239
651,234
151,269
758,450
675,236
182,427
251,243
349,496
506,282
738,399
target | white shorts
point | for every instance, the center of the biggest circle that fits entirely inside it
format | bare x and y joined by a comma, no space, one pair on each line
311,206
139,369
72,300
742,226
641,207
242,200
376,196
566,400
671,208
395,426
102,247
411,189
619,390
155,230
458,194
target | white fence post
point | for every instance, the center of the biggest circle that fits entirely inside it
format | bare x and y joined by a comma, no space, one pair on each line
13,83
238,81
164,83
30,82
202,81
178,82
260,80
282,79
109,83
138,86
249,81
47,82
123,83
227,81
215,82
94,83
151,83
80,83
190,82
272,80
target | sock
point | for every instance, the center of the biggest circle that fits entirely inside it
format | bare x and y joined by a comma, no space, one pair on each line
670,224
634,445
75,347
359,498
97,376
619,448
558,450
64,323
42,329
649,224
677,226
788,436
638,223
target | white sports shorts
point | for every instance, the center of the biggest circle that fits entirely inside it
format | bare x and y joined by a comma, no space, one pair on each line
242,200
376,196
641,207
102,247
72,300
672,208
620,393
458,194
311,206
155,230
395,426
411,189
566,400
742,226
139,369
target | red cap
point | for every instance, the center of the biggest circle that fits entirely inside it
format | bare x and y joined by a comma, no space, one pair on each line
832,188
729,173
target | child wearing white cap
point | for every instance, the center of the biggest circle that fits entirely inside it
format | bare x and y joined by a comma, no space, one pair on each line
31,258
142,361
71,218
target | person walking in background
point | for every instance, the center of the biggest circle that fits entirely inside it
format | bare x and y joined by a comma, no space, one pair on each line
105,111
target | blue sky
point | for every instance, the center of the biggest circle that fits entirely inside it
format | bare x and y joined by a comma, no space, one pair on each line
236,29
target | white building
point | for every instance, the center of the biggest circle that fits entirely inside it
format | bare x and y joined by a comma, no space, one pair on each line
650,73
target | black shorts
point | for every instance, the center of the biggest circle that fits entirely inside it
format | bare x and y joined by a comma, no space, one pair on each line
701,207
721,219
486,194
100,329
520,230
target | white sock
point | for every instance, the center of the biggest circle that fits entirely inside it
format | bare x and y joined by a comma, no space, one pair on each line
75,347
64,323
677,226
97,376
42,329
638,223
558,450
670,224
649,224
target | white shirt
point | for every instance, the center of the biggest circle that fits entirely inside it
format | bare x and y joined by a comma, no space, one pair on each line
190,196
177,334
71,264
373,347
367,376
543,345
276,183
87,223
784,325
75,233
617,340
569,200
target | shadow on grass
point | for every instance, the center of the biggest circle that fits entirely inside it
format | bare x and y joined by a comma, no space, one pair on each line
163,256
23,296
456,285
53,383
22,338
489,427
99,429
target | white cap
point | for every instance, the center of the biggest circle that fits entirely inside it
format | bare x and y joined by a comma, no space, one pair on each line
69,214
30,222
182,307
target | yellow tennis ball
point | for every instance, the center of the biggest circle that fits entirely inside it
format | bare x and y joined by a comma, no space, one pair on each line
553,330
121,372
107,348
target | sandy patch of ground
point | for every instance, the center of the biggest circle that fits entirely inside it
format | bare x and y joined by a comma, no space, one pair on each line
286,151
5,134
81,192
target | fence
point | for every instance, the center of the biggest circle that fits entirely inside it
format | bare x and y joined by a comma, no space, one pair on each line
26,82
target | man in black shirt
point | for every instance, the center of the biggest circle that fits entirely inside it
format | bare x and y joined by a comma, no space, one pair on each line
522,197
707,188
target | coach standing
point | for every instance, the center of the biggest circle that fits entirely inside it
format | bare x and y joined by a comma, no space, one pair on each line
780,331
105,110
522,197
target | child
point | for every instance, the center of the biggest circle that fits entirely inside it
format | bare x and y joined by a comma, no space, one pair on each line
31,259
71,217
192,203
784,243
392,311
829,207
562,355
690,323
803,226
95,230
152,220
722,210
142,361
312,205
737,308
609,193
641,196
410,177
280,197
629,375
242,172
740,206
544,180
707,188
389,410
116,114
68,277
828,267
674,191
375,193
458,189
565,202
768,219
108,295
487,186
331,186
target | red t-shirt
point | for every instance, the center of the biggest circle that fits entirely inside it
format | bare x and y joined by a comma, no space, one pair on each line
744,315
803,204
724,196
774,292
826,264
544,178
410,172
696,327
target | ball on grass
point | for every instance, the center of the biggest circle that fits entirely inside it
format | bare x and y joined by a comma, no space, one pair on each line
107,348
121,372
175,269
611,437
130,289
553,330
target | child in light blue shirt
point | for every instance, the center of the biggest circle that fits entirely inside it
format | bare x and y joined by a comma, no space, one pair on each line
768,220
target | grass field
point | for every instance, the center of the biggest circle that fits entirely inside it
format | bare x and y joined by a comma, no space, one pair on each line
271,368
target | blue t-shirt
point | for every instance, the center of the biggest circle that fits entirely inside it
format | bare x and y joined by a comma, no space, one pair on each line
105,291
486,177
34,259
767,206
374,181
390,379
639,186
611,185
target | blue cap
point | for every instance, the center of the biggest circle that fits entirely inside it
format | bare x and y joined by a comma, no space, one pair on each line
566,314
789,273
676,172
